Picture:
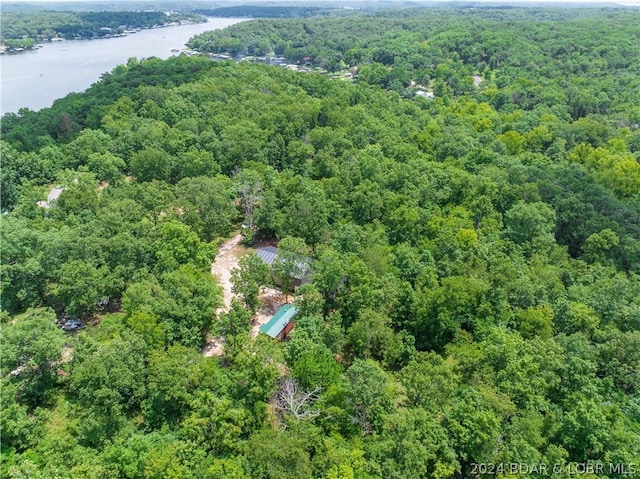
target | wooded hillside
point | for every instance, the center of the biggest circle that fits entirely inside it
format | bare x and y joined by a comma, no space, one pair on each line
475,295
41,26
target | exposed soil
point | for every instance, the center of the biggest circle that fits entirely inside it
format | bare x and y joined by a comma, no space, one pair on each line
272,300
213,346
225,261
66,356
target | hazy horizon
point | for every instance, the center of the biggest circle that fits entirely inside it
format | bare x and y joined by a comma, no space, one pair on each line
250,2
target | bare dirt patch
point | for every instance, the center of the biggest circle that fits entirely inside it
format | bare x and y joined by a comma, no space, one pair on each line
271,300
213,346
67,354
65,357
225,261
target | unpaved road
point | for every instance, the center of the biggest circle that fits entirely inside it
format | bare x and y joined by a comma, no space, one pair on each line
225,261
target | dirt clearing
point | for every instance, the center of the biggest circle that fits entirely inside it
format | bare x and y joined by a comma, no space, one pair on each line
271,300
225,261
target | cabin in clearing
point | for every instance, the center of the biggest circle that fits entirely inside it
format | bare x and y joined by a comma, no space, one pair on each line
268,255
281,323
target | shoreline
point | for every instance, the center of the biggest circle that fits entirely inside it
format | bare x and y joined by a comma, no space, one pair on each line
4,50
35,80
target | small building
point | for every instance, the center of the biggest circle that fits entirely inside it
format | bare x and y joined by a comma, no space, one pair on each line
54,194
268,255
425,94
281,323
52,197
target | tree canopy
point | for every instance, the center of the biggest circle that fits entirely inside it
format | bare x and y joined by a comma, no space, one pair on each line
474,258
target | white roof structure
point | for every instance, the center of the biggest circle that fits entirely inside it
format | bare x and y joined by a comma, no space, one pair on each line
53,195
425,94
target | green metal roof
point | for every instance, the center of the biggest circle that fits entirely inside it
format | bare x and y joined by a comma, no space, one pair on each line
279,320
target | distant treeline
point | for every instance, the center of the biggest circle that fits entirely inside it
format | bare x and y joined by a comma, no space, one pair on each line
262,11
47,25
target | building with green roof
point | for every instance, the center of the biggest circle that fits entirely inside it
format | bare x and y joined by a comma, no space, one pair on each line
281,323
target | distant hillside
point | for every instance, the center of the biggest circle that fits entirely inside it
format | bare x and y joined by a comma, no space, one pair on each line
263,11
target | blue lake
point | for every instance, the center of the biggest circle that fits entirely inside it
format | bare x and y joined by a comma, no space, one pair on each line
34,79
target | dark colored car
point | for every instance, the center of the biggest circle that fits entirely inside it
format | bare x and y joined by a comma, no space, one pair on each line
72,325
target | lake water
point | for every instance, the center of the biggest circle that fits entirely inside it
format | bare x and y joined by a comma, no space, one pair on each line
35,79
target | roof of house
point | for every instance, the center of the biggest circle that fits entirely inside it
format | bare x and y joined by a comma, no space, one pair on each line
425,94
279,321
268,254
54,194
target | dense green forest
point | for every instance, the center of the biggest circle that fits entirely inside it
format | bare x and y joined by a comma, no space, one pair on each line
264,11
475,294
72,25
575,57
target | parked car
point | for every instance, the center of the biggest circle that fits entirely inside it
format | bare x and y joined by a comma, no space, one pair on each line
72,325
